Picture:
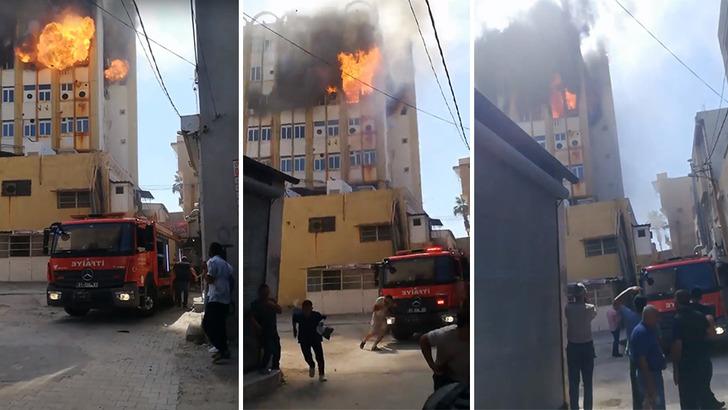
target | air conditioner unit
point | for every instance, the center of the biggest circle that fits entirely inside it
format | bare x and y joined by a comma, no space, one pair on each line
15,188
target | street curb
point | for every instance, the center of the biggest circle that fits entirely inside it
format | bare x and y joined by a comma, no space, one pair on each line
255,384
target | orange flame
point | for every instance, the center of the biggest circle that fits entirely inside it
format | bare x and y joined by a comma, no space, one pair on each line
66,42
358,68
23,56
570,99
331,89
117,71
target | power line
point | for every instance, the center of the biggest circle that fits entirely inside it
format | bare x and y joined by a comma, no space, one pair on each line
156,66
717,136
141,43
432,66
323,60
204,62
670,51
196,81
447,73
112,15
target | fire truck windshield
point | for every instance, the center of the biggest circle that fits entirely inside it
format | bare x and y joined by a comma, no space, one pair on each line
97,239
426,270
666,281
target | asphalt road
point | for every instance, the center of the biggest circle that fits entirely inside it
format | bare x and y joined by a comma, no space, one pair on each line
395,378
105,360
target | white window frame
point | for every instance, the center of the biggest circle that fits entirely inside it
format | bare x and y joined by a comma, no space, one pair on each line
334,161
299,163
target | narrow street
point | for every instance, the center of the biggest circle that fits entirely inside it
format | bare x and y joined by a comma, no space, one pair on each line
104,360
611,377
395,378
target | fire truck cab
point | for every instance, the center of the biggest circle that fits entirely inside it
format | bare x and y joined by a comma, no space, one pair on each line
659,283
109,261
427,285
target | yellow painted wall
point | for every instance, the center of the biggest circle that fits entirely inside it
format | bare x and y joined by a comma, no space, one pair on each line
301,250
47,174
591,221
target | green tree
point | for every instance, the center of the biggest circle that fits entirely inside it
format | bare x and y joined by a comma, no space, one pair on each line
177,186
462,208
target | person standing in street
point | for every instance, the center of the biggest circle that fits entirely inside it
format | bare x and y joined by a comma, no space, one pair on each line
691,355
580,348
646,352
378,324
183,274
615,326
305,325
452,342
264,312
630,319
219,278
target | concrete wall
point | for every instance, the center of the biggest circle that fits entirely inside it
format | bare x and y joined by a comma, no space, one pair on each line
676,197
48,175
219,134
517,243
24,269
302,250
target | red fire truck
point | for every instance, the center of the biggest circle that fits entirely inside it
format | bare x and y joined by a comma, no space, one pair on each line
109,261
427,285
660,282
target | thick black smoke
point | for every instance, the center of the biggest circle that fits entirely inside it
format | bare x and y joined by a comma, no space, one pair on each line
519,63
302,79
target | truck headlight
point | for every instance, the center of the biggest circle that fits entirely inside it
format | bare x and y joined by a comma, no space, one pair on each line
124,296
448,318
719,330
390,320
54,295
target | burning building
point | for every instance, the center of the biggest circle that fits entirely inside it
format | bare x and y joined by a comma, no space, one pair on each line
534,71
323,118
68,143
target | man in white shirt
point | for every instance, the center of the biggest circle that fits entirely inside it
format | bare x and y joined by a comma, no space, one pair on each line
452,364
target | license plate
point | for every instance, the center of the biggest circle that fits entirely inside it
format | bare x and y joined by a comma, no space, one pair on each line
417,310
87,284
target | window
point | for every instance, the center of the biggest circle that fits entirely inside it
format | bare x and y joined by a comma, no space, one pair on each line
266,44
334,161
577,170
417,222
299,131
603,246
82,125
332,129
119,190
66,125
255,73
265,133
44,128
45,92
641,233
19,245
319,164
67,87
355,158
403,111
4,245
322,224
541,139
372,233
16,188
253,134
370,157
353,121
560,140
28,129
299,163
286,164
74,199
286,132
8,94
8,129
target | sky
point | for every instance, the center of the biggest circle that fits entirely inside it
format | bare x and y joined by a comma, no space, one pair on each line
440,147
655,98
169,23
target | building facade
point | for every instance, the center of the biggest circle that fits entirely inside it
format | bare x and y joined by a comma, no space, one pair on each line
678,206
336,128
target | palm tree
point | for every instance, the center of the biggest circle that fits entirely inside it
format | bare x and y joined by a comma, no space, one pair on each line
462,208
177,186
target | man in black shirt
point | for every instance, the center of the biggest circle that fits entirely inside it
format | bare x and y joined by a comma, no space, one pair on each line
183,273
709,311
264,311
305,325
690,354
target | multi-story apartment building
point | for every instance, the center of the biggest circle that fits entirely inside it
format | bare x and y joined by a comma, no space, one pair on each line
315,121
68,112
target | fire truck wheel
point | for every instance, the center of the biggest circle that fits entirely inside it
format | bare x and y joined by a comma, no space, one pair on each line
401,334
148,302
75,311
